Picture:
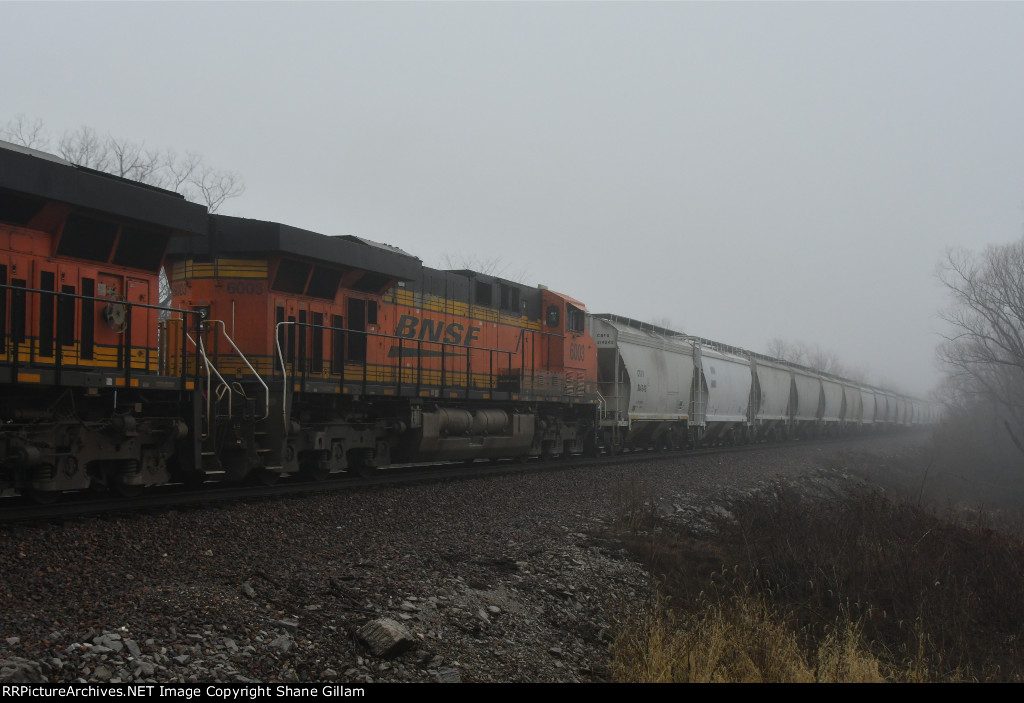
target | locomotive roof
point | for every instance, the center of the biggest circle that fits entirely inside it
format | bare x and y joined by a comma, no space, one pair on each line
238,235
41,175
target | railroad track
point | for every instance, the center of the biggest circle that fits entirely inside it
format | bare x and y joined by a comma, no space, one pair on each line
86,503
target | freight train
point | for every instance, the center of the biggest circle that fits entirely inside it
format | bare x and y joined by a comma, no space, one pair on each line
288,352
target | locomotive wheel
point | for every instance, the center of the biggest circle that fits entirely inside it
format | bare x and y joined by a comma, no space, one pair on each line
315,471
43,497
361,463
194,479
265,477
237,465
363,470
547,451
125,490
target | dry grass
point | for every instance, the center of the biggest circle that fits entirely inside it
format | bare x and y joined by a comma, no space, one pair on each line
741,640
865,590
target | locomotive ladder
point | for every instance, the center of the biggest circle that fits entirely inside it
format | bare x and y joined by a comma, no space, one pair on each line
222,387
285,392
238,387
256,375
214,396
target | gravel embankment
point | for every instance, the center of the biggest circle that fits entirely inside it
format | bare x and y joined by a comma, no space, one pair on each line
507,579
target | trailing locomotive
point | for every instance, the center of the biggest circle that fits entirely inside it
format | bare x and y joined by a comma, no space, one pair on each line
286,352
85,399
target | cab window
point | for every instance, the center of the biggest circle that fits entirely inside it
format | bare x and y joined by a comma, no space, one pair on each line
575,318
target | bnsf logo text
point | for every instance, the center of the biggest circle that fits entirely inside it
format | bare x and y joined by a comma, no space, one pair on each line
428,330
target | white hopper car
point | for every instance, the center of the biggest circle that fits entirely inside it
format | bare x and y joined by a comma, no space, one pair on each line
660,388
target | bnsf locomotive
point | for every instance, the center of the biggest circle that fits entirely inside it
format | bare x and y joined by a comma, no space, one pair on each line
288,352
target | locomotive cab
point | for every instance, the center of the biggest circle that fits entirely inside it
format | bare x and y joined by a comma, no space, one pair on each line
569,349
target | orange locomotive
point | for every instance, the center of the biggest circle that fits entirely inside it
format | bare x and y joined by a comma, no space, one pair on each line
327,354
85,400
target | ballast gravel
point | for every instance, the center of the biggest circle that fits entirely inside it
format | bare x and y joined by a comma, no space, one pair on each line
510,579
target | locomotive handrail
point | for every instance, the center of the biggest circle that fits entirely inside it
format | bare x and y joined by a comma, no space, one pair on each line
382,335
284,374
602,404
209,382
124,347
266,389
97,298
402,340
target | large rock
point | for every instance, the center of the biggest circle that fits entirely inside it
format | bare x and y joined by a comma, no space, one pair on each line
18,670
386,637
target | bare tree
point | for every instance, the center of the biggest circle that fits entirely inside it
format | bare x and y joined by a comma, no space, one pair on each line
668,323
825,360
25,132
815,357
983,350
180,170
132,160
215,186
489,266
985,347
859,374
781,349
187,175
122,157
85,147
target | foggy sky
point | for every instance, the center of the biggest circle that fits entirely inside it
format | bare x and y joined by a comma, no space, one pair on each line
747,171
